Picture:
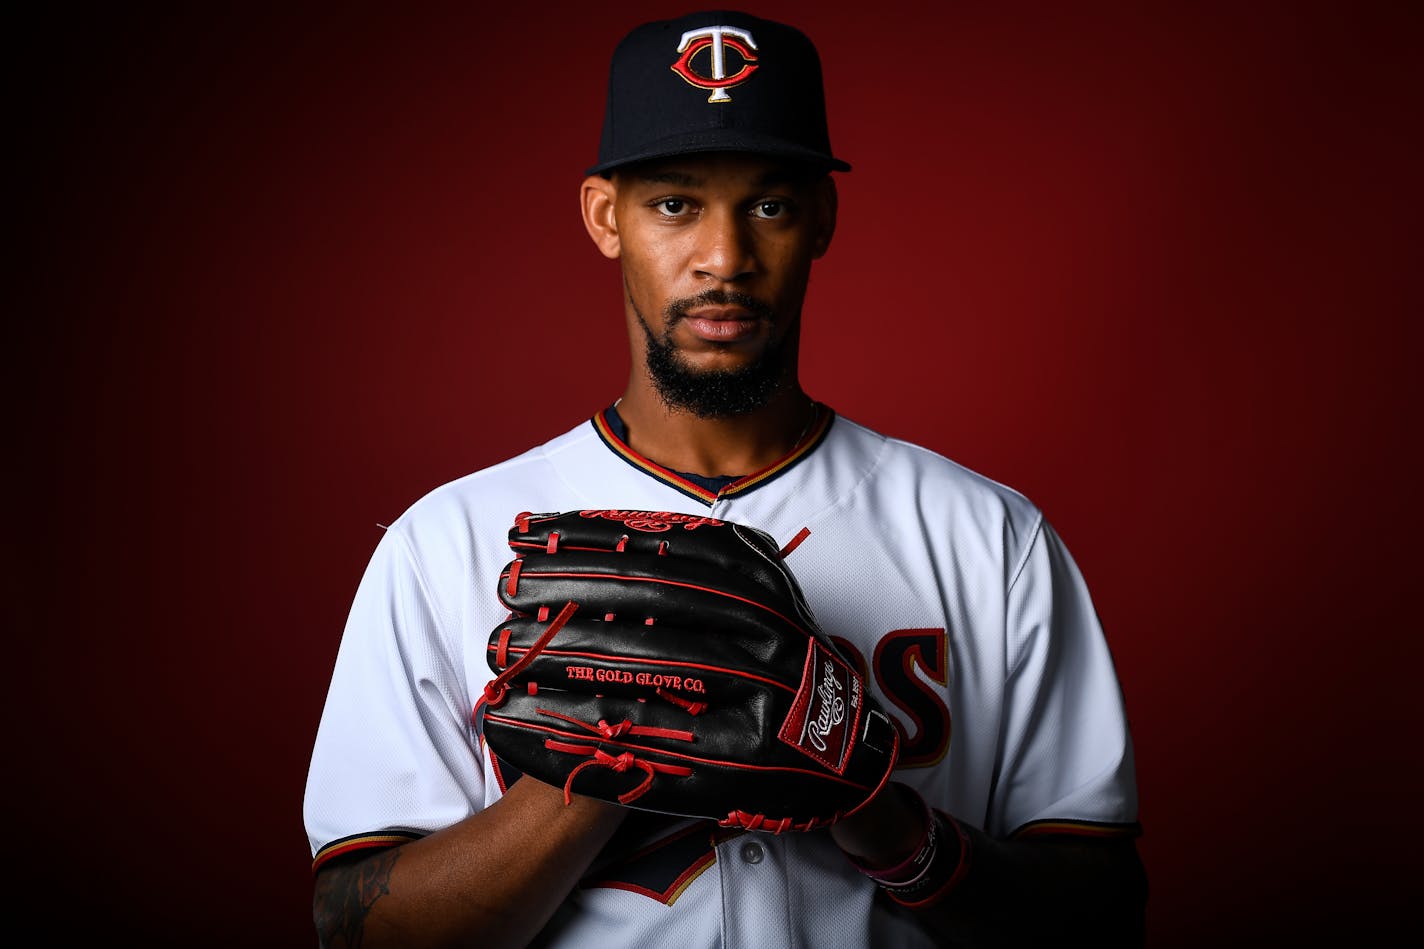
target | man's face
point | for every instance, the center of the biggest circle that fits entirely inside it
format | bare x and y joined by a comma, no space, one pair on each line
716,253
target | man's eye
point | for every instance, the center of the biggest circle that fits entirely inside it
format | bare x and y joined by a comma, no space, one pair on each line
767,210
672,207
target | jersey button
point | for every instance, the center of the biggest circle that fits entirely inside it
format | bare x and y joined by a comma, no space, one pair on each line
752,852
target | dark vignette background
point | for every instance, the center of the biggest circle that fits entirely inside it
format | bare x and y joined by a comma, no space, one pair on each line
281,271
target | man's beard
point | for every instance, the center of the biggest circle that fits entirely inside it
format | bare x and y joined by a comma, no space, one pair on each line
713,393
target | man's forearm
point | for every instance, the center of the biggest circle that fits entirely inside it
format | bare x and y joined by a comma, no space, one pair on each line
1041,890
1059,889
499,874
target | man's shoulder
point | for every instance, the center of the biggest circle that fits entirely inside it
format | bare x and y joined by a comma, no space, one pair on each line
493,491
904,466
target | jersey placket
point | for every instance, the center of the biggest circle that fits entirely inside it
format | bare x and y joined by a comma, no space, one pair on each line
756,902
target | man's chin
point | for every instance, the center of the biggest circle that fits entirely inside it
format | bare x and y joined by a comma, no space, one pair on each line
715,392
714,379
717,361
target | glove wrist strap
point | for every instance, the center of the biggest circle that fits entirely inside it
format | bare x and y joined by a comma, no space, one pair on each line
933,869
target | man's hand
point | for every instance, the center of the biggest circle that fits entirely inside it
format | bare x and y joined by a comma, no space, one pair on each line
1048,890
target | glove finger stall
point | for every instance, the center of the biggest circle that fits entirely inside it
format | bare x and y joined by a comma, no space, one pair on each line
703,540
641,588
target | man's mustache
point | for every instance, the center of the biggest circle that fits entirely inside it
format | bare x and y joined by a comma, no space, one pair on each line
677,309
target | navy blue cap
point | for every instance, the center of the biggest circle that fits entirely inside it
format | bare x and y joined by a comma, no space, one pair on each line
718,81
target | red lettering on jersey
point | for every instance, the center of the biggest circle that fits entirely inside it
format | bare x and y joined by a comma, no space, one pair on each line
655,856
852,655
898,654
654,522
895,656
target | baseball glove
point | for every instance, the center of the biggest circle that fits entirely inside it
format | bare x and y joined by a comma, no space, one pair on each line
669,662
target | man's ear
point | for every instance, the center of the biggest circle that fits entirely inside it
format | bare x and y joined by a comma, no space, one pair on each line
828,200
598,196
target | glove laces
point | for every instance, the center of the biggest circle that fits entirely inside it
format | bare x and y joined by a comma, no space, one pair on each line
770,825
625,761
498,688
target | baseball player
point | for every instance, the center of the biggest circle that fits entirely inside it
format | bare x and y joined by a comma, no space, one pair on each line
1010,815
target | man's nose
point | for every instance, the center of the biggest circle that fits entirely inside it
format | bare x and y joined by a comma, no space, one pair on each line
724,247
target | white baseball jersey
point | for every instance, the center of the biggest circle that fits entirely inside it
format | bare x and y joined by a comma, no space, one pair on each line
970,620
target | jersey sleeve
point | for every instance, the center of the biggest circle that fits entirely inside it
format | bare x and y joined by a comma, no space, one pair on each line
1067,763
393,758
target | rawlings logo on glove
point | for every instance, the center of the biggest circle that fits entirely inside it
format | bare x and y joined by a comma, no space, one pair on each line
653,521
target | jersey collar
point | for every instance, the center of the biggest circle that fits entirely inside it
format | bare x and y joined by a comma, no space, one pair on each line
613,432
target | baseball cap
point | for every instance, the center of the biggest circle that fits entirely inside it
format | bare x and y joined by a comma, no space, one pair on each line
715,81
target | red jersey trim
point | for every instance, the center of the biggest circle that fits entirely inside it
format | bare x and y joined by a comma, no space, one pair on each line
813,437
670,896
1077,828
347,845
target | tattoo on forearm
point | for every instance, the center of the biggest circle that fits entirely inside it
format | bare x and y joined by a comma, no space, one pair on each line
345,895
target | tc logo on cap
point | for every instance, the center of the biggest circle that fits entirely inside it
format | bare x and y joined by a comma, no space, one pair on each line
719,38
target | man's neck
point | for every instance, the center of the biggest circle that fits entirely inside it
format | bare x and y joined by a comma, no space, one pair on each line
718,447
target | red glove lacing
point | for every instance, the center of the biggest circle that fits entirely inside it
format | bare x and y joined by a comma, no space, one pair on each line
496,689
623,762
770,825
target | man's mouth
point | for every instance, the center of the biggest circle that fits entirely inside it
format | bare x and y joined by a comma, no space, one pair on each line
720,317
721,324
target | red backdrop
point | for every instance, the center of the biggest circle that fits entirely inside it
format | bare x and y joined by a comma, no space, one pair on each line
283,272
